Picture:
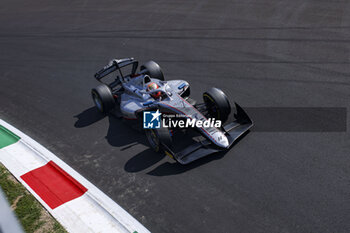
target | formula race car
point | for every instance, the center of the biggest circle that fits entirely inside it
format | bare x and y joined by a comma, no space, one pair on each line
134,93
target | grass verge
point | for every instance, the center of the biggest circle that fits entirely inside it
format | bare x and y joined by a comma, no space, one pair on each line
30,213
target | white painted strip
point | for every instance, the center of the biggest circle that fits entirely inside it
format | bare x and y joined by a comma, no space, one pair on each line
84,210
92,212
20,159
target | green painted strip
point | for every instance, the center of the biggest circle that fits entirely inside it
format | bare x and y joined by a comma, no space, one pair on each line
7,137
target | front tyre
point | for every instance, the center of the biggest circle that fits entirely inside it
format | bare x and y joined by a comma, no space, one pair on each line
217,104
103,98
159,139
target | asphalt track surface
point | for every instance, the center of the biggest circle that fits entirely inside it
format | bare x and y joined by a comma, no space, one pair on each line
262,53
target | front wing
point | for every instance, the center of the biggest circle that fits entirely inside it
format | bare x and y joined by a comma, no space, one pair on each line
233,131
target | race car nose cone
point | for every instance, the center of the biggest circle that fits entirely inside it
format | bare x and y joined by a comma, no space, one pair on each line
224,142
221,139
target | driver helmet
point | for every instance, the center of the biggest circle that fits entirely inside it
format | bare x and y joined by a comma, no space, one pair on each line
153,86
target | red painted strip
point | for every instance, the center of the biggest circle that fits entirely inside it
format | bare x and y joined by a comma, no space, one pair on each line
53,184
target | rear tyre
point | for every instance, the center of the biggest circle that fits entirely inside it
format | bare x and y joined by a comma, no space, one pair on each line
153,70
217,104
103,98
159,139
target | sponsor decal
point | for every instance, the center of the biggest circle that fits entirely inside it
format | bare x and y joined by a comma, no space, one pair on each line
151,119
155,119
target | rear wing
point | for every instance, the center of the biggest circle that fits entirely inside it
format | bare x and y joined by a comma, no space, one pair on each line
116,64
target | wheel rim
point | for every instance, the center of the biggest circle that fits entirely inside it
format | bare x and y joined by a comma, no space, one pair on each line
153,139
212,108
98,102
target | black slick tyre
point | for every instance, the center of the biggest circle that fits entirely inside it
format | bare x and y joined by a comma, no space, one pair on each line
159,139
217,104
153,70
103,98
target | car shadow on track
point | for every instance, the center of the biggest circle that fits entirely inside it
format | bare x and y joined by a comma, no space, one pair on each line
172,168
148,158
88,117
168,169
122,134
143,160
